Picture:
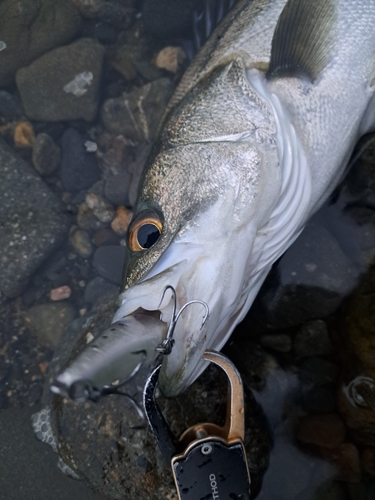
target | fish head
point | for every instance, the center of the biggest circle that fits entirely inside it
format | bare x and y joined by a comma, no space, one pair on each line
208,186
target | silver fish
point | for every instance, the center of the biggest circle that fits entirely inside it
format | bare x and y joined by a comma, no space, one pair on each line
255,138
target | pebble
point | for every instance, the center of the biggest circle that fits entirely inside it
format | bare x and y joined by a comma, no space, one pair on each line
109,262
31,29
86,218
46,155
312,340
277,342
49,321
326,431
32,222
101,208
105,236
137,114
79,169
99,287
113,13
317,371
346,460
64,83
320,400
310,280
170,58
164,18
10,108
24,135
121,222
331,490
80,240
60,293
368,460
91,146
116,189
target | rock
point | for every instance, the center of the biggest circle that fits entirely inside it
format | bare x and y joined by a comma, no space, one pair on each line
277,342
331,490
46,155
109,262
60,293
10,108
80,240
309,281
32,222
117,189
101,209
325,431
105,236
86,218
24,135
137,114
99,287
166,18
320,400
113,12
312,340
49,321
79,169
368,460
122,220
345,458
32,28
318,371
63,84
170,58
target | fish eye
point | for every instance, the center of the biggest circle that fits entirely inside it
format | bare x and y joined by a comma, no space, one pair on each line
144,231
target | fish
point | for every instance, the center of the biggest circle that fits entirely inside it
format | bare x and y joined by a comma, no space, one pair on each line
254,140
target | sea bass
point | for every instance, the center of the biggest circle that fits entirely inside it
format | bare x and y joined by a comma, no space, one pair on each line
254,140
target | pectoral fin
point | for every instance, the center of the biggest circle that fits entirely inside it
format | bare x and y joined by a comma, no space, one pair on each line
303,38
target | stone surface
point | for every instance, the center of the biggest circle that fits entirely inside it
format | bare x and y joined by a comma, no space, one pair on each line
79,169
64,83
109,262
115,13
277,342
80,240
24,135
326,431
10,108
49,321
117,189
60,293
32,222
98,288
122,220
310,280
312,340
317,371
170,58
30,28
46,154
137,114
105,236
101,208
320,400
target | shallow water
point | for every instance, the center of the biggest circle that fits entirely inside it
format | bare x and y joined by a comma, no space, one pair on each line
90,164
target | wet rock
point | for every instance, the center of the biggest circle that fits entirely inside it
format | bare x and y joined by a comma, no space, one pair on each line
277,342
49,321
98,288
122,220
166,18
137,114
79,169
326,431
32,28
46,155
113,12
320,400
86,218
80,240
60,293
345,458
368,460
170,58
101,209
312,340
10,108
309,282
24,135
63,84
109,262
117,189
318,371
105,236
331,490
32,222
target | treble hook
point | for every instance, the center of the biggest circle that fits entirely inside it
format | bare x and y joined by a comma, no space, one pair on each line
166,346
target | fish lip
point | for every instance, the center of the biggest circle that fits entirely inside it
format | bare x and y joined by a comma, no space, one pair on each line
80,391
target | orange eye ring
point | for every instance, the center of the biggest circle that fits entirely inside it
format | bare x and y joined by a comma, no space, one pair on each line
144,231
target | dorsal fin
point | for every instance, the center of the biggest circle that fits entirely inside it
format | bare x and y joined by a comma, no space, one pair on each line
303,38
